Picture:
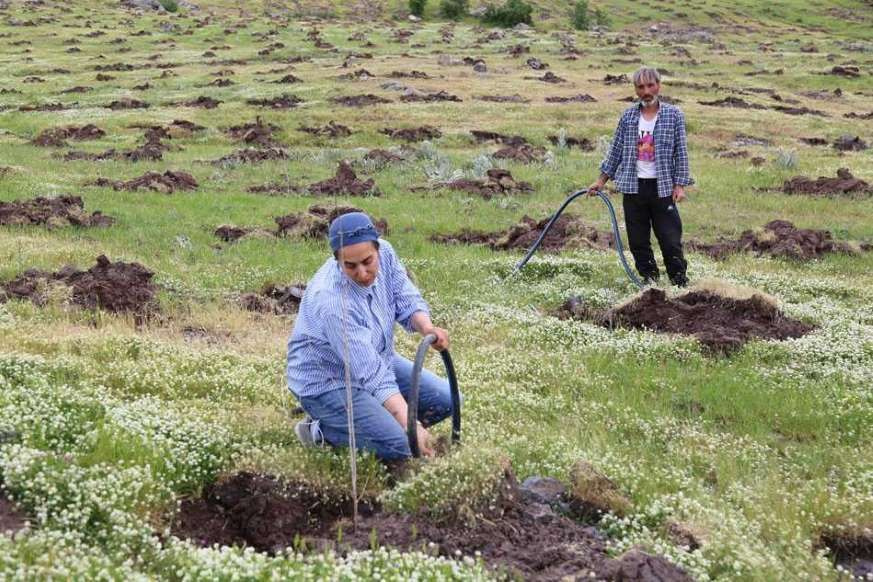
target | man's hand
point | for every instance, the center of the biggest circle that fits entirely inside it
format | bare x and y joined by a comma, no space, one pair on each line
424,442
596,186
678,193
442,337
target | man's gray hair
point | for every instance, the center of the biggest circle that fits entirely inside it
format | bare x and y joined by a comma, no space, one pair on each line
645,74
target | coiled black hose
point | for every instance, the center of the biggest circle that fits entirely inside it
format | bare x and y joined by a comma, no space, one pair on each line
618,244
412,401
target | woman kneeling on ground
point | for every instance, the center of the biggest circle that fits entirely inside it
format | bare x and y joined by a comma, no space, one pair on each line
348,312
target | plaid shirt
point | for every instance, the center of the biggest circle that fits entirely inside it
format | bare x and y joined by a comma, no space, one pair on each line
671,151
316,346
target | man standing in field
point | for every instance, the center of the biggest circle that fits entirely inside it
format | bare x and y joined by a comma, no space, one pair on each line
346,323
648,161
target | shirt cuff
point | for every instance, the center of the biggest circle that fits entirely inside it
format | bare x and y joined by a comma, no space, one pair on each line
385,392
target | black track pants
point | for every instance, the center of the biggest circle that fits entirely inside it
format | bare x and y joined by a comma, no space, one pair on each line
642,213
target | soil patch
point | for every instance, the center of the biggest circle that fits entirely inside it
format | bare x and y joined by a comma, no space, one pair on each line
283,102
721,324
848,143
231,233
52,212
344,183
844,183
483,136
168,182
568,232
412,134
56,136
257,134
429,97
116,287
252,156
525,153
514,98
581,98
517,536
408,75
779,238
277,189
360,100
582,143
315,221
128,104
735,102
380,157
497,182
11,520
274,299
46,107
288,79
549,77
202,102
332,130
851,550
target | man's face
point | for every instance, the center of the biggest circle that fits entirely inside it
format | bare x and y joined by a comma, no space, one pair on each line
647,91
360,262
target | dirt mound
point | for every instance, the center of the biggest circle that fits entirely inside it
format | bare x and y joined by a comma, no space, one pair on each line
518,536
416,97
581,98
853,550
497,183
524,153
616,79
11,520
56,136
848,143
253,510
252,156
277,189
582,143
412,134
231,233
315,221
568,232
115,287
848,71
359,100
514,98
202,102
844,183
381,157
288,80
720,323
282,102
734,102
274,299
45,107
51,212
344,183
484,136
258,134
779,238
77,89
128,104
549,77
408,75
168,182
332,130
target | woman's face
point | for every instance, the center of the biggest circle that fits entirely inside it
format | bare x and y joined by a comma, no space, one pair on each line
360,262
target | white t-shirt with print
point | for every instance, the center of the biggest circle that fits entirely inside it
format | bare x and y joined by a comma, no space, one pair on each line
646,148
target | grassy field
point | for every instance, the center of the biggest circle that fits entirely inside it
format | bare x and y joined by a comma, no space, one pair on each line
105,423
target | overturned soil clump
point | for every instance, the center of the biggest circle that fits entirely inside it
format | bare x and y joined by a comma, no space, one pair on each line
257,134
844,183
779,238
721,324
496,183
168,182
116,287
519,536
315,221
568,232
853,550
274,299
360,100
344,183
282,102
57,136
11,520
524,154
332,129
412,134
52,212
252,155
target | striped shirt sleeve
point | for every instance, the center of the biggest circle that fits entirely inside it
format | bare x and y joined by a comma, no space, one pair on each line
616,149
681,172
366,367
407,298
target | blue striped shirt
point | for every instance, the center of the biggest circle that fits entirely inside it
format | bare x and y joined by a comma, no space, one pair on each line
315,348
671,151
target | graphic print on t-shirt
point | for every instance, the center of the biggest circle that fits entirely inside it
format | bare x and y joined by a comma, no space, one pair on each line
646,148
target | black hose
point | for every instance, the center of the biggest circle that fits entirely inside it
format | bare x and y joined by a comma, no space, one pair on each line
619,247
412,401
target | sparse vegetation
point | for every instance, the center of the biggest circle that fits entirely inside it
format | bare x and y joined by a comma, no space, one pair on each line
509,14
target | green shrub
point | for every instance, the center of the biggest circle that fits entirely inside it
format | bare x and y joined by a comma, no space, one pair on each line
580,15
454,9
170,5
601,18
511,13
416,7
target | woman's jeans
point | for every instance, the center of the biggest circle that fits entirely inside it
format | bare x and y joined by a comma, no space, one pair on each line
375,429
